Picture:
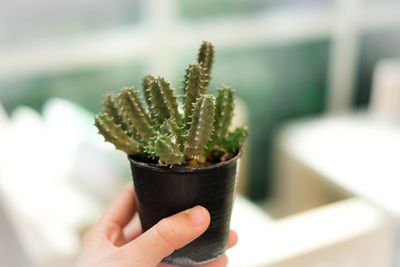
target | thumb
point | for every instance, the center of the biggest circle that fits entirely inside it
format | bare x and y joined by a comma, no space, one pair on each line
168,235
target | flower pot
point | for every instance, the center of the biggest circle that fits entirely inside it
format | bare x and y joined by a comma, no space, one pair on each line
164,191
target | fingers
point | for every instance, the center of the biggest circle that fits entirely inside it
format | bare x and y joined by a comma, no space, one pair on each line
233,239
222,260
121,211
133,229
116,217
168,235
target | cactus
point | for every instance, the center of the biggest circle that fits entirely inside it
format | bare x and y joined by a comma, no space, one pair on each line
113,133
193,132
165,149
235,139
223,112
162,101
111,109
170,127
132,109
201,127
194,86
206,59
146,82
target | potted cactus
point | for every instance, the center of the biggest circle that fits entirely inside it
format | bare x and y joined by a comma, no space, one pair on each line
182,153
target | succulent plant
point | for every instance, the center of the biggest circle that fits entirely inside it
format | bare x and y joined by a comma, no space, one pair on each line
191,132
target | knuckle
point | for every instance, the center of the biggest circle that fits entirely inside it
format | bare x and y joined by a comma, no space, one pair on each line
112,227
112,231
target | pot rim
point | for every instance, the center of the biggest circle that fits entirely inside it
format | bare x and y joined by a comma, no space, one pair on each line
179,168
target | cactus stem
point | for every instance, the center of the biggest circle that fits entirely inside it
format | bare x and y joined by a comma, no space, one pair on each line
201,126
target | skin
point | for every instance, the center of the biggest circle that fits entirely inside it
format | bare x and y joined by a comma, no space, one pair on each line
116,240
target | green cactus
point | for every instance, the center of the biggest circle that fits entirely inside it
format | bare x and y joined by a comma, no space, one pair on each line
110,108
113,133
134,112
201,127
171,128
235,139
146,82
162,147
223,112
194,86
193,132
163,104
206,58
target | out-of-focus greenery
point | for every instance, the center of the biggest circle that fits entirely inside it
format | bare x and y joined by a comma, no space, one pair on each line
43,20
193,10
277,84
84,86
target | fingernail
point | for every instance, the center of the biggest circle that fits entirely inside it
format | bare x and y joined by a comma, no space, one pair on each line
198,215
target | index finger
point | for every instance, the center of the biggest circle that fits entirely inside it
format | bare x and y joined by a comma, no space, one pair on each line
122,209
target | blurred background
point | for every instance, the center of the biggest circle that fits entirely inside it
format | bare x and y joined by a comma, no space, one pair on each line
318,83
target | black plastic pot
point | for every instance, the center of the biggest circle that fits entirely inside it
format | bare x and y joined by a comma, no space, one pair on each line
163,191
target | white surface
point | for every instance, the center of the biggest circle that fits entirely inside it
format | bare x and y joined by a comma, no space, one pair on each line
46,202
385,96
250,222
79,181
52,234
352,151
340,234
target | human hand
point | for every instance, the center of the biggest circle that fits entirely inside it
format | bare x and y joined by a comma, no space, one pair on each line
109,243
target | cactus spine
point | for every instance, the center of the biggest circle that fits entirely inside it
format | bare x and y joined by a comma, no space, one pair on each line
194,86
113,133
223,112
170,132
111,109
165,149
206,59
171,128
201,127
162,101
146,82
134,112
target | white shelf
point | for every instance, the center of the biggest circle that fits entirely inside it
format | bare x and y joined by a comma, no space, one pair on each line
352,151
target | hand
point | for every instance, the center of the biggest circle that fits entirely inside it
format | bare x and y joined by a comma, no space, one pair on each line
110,243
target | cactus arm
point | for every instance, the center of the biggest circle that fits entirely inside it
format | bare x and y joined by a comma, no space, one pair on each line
201,126
170,127
162,147
234,140
126,123
133,111
206,59
223,112
163,103
157,107
194,87
194,132
111,107
170,101
146,82
114,134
